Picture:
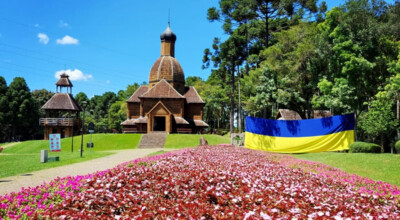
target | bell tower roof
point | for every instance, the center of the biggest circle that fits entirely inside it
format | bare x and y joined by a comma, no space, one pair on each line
64,82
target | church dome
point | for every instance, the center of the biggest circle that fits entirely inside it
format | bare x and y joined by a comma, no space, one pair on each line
168,35
168,68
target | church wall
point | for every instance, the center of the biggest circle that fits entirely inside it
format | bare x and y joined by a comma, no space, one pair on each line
133,110
194,111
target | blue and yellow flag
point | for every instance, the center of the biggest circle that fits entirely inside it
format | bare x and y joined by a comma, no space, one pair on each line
334,133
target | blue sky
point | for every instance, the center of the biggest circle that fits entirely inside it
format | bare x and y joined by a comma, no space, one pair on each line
105,45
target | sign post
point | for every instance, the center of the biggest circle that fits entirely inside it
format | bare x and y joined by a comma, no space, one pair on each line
90,145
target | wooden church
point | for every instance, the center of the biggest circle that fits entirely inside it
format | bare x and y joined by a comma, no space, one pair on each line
166,104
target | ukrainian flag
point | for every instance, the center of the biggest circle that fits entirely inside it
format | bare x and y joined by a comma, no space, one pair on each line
334,133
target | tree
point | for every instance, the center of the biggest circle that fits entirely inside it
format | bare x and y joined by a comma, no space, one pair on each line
117,114
266,91
80,97
234,13
4,111
23,110
41,97
380,118
191,80
130,89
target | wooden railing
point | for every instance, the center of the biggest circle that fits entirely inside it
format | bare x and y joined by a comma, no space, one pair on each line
58,121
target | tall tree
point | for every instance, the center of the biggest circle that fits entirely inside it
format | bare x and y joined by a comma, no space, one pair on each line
80,97
24,114
234,13
380,118
4,110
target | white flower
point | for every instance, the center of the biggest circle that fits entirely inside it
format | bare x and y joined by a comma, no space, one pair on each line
248,215
265,216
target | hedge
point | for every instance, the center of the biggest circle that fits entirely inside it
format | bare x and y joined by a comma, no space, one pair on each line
364,147
397,147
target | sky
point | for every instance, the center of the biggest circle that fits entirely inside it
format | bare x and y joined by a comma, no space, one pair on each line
103,45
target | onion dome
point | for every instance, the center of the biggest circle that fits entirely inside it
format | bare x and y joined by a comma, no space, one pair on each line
168,68
168,35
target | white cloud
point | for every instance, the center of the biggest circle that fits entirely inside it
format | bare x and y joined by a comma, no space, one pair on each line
74,75
108,81
63,24
43,38
67,40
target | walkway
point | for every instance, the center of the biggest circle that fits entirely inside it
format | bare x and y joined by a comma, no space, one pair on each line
15,183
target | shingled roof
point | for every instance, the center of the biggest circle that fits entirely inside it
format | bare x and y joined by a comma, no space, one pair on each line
287,114
322,113
139,92
62,101
64,81
162,90
192,96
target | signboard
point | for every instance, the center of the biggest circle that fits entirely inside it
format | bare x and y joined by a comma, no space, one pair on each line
91,127
55,142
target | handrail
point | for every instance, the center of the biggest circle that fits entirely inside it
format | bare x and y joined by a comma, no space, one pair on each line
58,121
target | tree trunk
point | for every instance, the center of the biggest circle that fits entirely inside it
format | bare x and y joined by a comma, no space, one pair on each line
239,110
267,28
382,148
231,113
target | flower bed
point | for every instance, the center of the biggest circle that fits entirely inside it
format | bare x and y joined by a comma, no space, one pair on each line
214,182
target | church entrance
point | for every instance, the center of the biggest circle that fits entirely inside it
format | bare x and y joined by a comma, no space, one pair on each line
159,124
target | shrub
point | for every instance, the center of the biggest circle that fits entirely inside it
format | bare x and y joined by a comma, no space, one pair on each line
397,147
364,147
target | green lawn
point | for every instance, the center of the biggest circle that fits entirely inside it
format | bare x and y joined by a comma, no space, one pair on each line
383,167
24,157
193,140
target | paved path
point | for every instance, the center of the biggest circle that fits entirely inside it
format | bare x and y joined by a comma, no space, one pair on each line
15,183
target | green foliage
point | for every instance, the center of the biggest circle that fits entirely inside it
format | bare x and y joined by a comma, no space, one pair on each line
337,96
80,97
41,97
116,115
4,109
397,147
192,80
130,89
23,112
380,117
364,147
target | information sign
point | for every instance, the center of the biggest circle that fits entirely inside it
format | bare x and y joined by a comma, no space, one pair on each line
91,127
55,142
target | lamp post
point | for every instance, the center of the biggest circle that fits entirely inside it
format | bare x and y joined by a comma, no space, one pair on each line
83,104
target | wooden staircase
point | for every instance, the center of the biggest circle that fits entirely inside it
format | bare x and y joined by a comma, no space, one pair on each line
153,140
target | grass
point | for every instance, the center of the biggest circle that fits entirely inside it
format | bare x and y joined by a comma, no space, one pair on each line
380,167
158,153
24,157
193,140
